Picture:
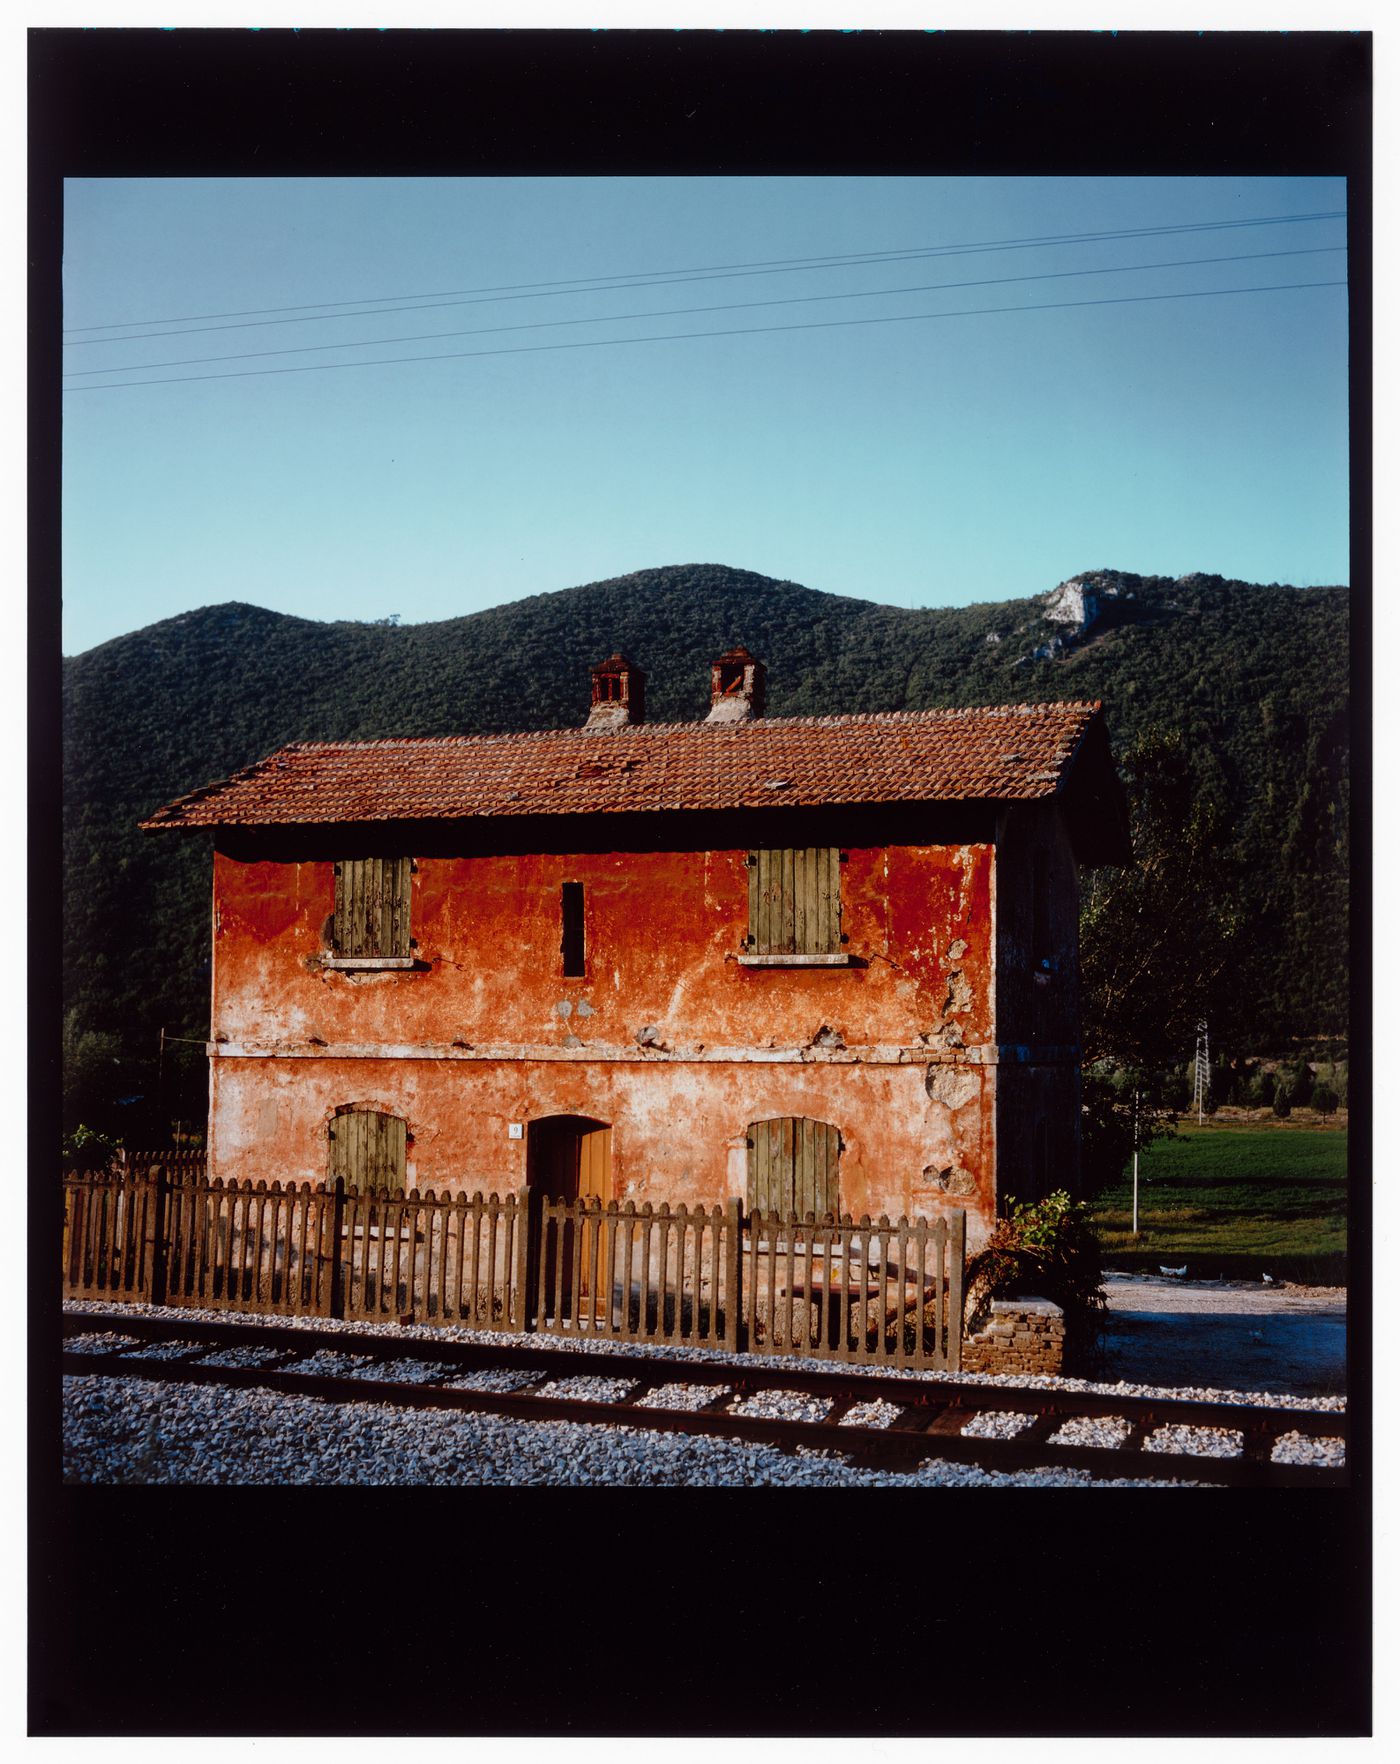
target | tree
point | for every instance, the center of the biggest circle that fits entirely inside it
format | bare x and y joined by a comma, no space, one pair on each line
1157,946
1120,1111
90,1073
1159,938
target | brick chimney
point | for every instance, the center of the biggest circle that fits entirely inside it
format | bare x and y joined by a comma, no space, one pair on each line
736,687
619,694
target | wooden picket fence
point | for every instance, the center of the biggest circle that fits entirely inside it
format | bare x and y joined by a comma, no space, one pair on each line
634,1274
882,1293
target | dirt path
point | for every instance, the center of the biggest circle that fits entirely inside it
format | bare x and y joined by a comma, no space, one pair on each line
1226,1335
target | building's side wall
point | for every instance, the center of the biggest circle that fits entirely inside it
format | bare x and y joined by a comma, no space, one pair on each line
1037,969
667,1036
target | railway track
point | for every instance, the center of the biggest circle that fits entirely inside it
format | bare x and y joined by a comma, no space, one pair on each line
931,1412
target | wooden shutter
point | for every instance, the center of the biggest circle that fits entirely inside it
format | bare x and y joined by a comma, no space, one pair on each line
793,1166
368,1150
372,898
795,901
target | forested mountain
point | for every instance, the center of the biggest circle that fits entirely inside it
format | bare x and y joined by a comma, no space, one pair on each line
1255,679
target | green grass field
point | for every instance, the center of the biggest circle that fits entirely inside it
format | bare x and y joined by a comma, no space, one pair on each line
1235,1198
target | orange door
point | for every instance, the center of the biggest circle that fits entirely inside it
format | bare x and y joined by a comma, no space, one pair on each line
570,1160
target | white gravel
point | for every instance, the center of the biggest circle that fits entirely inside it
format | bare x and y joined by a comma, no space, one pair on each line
1298,1448
241,1358
165,1350
260,1436
719,1357
876,1414
1203,1442
104,1343
397,1371
327,1363
783,1405
499,1380
134,1430
587,1390
686,1397
1092,1430
998,1424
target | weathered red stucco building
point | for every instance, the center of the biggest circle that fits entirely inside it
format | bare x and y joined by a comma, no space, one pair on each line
822,962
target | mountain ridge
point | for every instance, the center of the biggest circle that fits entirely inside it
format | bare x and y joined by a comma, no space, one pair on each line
1254,676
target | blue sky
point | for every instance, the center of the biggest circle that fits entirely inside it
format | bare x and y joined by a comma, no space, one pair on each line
923,462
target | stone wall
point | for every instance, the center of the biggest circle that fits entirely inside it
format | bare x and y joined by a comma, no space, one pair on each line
1020,1335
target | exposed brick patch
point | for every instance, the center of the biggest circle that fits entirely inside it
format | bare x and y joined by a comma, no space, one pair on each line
1020,1335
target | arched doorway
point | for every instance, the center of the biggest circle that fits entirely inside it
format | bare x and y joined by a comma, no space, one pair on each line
569,1158
794,1166
367,1148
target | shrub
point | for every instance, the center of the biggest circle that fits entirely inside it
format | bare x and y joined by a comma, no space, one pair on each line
1042,1249
1334,1076
1324,1099
1176,1091
1300,1085
86,1149
1283,1103
1263,1088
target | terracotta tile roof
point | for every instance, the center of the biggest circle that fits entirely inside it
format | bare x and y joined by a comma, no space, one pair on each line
1006,752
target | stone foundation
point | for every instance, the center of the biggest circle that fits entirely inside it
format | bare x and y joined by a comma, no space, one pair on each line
1020,1335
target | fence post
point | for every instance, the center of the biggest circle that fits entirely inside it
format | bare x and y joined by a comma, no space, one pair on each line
957,1246
521,1316
157,1249
337,1250
532,1236
734,1278
329,1294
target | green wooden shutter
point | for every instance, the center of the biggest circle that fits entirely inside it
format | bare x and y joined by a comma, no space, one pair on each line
368,1149
795,901
794,1166
372,897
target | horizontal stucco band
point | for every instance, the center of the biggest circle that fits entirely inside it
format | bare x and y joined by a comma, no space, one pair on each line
1010,1054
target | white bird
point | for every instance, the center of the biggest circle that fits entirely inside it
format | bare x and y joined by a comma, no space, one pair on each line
1268,1280
1175,1273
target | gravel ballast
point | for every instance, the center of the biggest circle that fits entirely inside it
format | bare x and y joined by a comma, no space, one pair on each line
716,1357
131,1429
134,1430
998,1424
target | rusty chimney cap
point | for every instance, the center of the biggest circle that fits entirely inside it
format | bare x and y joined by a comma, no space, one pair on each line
619,693
737,686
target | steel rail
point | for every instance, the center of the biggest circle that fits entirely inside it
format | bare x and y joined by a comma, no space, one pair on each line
934,1409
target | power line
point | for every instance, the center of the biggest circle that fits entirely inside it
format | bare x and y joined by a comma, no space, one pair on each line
472,297
823,258
316,367
729,306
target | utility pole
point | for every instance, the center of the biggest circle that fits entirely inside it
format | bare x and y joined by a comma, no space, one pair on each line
1198,1101
1135,1163
186,1041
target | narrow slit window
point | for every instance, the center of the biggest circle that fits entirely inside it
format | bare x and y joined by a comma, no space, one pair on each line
571,904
